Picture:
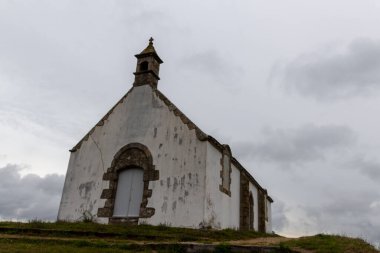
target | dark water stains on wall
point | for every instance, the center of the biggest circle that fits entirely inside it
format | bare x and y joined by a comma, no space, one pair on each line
175,184
85,189
164,207
183,181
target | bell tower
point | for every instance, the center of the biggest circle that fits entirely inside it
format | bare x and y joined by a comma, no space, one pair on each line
148,66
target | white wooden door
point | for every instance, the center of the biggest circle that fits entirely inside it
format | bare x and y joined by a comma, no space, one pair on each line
129,193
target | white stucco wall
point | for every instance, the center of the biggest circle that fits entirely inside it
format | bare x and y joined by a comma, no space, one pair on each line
83,184
187,193
253,190
221,210
177,153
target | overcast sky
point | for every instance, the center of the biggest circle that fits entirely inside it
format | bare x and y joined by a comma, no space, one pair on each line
293,86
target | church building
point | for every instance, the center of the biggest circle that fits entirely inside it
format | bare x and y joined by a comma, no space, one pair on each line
145,162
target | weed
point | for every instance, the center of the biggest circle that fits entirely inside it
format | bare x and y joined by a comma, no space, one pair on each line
87,217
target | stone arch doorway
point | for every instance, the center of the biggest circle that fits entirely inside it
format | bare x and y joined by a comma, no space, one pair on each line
251,212
133,161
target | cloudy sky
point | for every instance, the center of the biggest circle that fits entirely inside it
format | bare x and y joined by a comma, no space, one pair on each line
293,86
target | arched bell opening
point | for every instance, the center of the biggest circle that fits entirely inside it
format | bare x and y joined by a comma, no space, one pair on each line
144,66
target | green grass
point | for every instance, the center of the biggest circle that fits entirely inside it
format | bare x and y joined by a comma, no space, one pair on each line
25,245
141,232
42,246
322,243
42,237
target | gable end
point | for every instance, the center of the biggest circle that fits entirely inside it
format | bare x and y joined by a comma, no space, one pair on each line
185,120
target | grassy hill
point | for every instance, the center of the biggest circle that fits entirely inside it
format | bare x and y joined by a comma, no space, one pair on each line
89,237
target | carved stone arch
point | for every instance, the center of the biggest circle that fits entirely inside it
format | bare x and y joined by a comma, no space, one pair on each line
131,155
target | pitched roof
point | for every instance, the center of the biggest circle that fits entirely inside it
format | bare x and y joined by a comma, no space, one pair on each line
185,120
149,51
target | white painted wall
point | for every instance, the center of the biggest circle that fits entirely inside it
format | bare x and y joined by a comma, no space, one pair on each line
187,193
83,185
221,210
254,191
177,153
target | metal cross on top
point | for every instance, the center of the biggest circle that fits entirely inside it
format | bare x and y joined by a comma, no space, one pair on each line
151,40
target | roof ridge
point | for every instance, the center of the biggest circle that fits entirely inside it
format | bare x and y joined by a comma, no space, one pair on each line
185,120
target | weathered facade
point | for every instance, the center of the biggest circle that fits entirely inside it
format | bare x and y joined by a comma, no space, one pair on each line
146,162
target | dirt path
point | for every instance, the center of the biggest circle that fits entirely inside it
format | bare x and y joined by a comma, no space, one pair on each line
264,241
267,241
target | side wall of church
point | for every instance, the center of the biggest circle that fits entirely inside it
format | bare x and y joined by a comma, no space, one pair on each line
268,223
178,155
221,210
253,190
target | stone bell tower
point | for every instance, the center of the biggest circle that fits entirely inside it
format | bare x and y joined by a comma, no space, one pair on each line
148,66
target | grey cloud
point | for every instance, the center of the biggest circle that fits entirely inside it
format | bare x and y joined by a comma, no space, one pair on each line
304,144
57,58
279,219
53,58
352,213
366,166
212,64
30,196
335,73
